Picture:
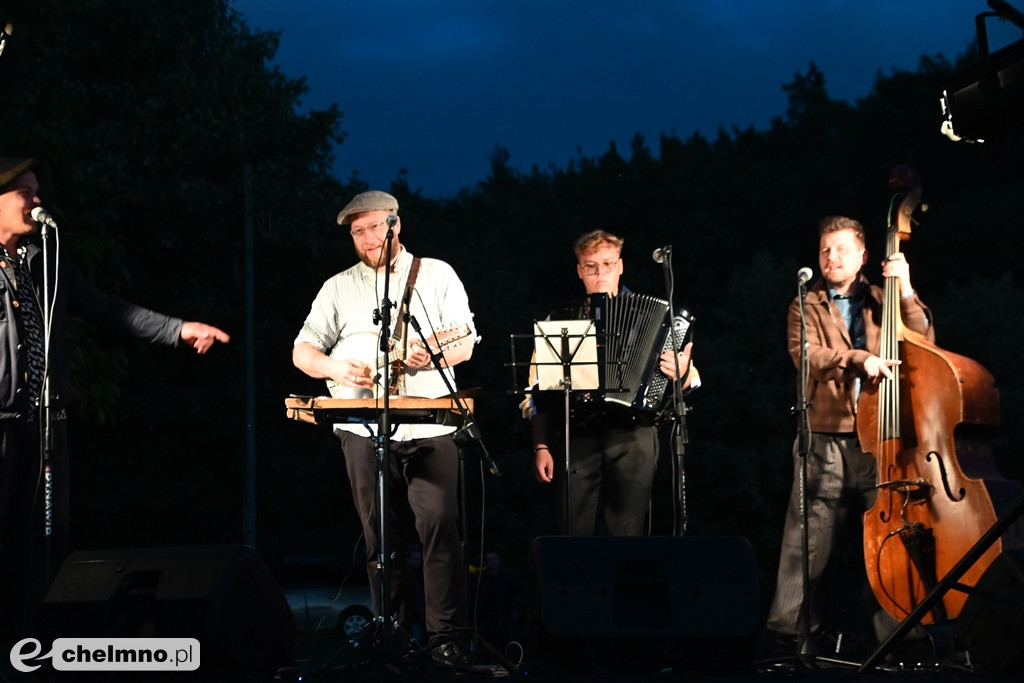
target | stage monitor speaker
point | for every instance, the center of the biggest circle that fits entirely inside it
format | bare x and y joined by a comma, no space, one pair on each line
991,623
223,596
684,602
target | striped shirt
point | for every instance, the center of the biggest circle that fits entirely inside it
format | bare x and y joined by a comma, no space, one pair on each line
340,324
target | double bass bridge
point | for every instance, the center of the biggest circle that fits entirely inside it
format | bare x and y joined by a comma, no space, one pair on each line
916,491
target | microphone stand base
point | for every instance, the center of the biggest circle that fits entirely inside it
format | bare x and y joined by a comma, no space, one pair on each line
807,651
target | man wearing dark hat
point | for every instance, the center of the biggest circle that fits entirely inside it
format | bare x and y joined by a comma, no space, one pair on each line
27,558
339,342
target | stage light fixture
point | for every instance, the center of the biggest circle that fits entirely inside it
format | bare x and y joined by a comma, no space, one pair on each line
986,100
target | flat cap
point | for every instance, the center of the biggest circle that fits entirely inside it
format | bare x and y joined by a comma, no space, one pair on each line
373,200
11,168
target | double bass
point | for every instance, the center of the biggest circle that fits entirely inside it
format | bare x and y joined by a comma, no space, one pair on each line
938,488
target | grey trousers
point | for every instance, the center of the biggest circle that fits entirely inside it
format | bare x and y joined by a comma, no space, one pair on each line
841,480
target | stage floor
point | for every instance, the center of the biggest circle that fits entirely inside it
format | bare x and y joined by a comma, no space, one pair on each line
328,657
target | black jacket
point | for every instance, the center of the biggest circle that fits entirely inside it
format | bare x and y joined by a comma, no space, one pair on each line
75,295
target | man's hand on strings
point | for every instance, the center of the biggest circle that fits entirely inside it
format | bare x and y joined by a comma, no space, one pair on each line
353,373
876,368
896,266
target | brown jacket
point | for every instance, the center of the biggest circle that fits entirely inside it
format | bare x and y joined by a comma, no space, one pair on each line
834,363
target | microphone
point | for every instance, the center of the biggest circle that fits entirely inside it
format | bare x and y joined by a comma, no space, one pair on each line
391,220
804,275
661,253
39,215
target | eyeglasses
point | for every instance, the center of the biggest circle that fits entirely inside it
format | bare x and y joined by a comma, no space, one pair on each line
592,268
359,233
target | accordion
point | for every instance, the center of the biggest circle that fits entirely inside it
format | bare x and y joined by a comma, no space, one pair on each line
632,333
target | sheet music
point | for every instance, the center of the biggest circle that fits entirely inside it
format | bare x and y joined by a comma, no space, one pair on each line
582,338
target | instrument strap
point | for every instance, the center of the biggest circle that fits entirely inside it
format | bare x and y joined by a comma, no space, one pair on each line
401,332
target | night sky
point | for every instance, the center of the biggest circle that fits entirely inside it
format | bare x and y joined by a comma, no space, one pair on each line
433,87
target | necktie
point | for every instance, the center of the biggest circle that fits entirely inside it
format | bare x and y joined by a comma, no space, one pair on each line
852,309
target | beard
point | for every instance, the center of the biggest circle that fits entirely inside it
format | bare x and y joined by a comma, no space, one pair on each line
376,260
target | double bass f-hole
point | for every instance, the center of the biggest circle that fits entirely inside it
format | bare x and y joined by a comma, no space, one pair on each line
961,492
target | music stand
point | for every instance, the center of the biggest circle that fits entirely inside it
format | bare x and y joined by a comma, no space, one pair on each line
569,366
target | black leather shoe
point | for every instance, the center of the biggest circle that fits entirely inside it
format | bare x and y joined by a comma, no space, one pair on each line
448,655
772,645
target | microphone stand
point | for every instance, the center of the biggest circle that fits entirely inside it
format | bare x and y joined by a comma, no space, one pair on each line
468,430
385,625
680,436
385,620
806,651
46,427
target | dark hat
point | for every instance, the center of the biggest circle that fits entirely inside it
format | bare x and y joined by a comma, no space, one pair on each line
374,200
11,168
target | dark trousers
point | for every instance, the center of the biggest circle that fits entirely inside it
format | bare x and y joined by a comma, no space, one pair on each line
612,472
424,496
29,557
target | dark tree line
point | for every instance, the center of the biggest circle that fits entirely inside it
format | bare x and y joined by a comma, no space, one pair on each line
165,131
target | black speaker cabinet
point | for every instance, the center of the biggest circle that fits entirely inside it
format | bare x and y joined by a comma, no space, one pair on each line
602,602
991,623
223,596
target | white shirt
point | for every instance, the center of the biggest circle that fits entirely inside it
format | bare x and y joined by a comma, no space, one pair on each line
340,324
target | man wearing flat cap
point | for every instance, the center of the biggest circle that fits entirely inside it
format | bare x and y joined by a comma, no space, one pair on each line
340,342
27,557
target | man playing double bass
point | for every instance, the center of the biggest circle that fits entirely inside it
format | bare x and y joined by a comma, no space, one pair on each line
843,316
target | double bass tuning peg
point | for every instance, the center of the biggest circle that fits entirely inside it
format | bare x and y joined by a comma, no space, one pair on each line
923,208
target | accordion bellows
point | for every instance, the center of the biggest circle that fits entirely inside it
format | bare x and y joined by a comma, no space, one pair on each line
632,333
